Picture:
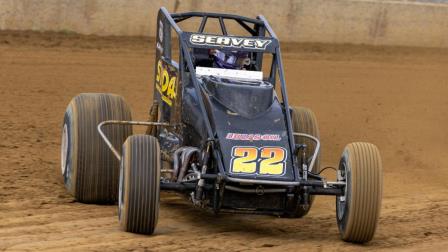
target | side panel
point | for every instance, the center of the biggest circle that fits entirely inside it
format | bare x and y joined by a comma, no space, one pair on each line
167,87
195,130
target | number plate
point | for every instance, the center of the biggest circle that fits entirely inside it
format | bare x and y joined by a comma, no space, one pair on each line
258,160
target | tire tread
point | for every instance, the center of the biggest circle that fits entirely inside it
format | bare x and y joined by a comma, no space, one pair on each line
364,162
96,167
141,204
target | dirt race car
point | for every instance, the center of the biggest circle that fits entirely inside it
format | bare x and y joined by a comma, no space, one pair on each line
221,136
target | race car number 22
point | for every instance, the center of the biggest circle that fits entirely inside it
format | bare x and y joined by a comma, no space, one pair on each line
261,161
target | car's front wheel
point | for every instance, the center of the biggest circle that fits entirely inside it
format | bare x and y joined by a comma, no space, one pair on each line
139,186
357,211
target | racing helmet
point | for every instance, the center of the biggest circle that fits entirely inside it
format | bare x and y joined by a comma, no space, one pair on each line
229,59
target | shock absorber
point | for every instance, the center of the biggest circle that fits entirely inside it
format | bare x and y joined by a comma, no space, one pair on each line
301,153
201,182
304,165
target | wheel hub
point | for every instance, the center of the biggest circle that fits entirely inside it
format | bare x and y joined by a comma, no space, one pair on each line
64,149
341,200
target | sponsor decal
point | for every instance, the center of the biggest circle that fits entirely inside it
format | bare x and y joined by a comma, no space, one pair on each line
253,137
166,82
235,42
260,161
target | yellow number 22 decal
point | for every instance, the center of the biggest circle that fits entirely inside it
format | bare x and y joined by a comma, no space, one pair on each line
262,161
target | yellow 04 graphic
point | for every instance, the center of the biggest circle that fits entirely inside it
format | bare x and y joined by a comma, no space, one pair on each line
166,83
261,161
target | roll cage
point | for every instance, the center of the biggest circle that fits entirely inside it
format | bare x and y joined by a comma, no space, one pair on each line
258,28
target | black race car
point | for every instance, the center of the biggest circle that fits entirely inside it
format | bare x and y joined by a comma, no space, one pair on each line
223,137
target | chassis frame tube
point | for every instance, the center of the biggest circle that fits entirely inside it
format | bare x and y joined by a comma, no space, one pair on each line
184,187
319,183
109,144
316,151
181,187
326,191
254,190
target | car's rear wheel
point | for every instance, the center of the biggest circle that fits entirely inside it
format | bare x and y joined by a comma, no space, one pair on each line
139,187
89,168
357,211
304,121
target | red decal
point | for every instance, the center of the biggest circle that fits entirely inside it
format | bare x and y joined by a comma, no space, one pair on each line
253,137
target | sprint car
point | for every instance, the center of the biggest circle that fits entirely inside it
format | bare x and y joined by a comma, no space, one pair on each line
227,139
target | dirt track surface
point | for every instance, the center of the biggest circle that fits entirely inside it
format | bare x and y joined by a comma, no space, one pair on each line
395,98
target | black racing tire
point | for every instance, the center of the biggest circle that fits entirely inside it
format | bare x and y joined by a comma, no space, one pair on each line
304,121
358,210
89,168
139,186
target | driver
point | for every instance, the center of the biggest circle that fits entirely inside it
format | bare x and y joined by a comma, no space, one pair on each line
230,59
